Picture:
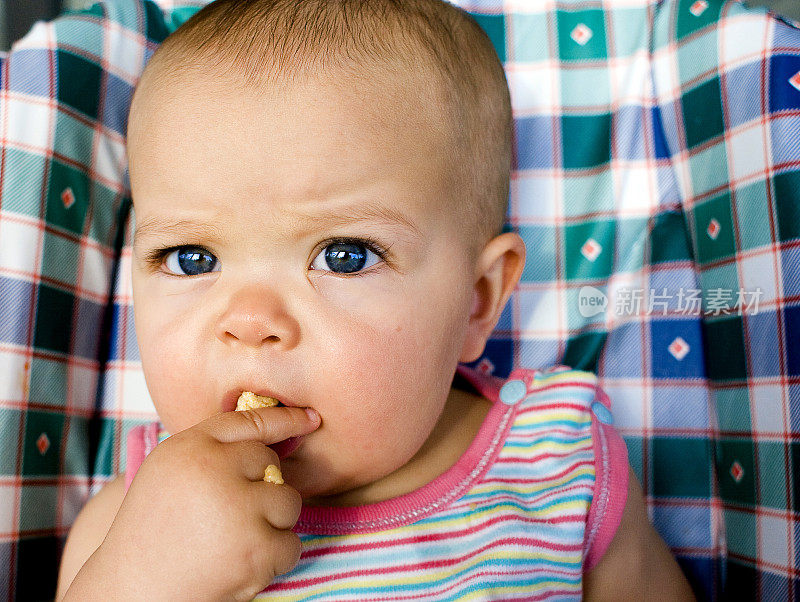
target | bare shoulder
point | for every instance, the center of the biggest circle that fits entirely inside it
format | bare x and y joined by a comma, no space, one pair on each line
89,530
638,564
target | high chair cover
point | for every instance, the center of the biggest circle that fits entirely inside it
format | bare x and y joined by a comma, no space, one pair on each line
656,184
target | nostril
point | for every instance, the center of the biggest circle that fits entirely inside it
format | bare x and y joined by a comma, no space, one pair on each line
253,339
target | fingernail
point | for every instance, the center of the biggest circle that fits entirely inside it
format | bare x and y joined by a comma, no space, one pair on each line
313,415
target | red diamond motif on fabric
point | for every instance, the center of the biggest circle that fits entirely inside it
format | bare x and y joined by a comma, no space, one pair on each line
591,249
737,472
795,81
581,34
698,8
43,443
68,198
714,228
485,366
679,348
23,378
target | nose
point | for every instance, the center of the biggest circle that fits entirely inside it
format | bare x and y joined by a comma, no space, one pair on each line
256,317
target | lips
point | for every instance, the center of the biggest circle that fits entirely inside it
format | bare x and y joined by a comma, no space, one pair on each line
285,448
231,397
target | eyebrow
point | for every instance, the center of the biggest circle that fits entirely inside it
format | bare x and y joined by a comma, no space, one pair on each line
367,212
155,226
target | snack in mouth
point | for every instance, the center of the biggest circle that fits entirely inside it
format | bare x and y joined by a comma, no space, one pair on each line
273,475
250,401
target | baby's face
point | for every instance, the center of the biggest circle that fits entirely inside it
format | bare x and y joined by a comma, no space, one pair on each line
301,244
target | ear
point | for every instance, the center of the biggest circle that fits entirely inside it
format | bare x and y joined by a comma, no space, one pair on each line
498,270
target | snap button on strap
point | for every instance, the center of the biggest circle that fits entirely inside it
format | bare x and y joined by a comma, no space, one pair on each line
602,413
513,392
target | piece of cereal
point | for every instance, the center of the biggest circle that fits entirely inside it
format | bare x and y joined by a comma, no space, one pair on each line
273,475
250,401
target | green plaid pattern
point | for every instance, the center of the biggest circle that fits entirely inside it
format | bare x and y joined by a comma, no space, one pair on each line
64,95
656,184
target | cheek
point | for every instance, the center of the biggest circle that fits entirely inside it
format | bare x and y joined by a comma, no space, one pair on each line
424,318
392,378
171,366
394,346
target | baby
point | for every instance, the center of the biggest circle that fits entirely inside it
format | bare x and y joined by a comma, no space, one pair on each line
319,190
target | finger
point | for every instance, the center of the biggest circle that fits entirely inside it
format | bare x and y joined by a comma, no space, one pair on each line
280,504
287,549
273,552
291,548
253,457
267,425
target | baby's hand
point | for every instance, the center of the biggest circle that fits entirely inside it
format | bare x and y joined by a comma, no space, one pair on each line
199,521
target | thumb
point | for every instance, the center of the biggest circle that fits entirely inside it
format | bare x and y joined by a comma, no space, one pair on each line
267,425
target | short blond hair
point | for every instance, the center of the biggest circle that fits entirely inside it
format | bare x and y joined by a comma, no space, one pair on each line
264,40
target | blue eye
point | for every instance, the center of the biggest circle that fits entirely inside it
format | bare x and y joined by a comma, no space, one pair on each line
347,257
191,261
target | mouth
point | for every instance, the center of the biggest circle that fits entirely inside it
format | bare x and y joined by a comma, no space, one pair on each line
286,447
231,397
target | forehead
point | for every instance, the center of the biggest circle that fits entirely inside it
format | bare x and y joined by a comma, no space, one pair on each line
383,101
303,139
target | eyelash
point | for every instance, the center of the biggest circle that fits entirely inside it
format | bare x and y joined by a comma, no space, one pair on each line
155,258
368,243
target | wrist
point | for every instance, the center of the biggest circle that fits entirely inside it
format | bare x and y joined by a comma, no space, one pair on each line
100,579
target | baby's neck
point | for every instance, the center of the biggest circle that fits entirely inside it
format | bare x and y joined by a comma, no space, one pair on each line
457,427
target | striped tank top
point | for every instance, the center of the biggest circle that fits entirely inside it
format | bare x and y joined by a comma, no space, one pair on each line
529,508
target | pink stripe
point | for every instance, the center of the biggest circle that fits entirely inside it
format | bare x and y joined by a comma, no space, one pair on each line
545,594
140,442
535,432
552,477
431,564
444,535
570,384
545,495
555,405
610,489
516,459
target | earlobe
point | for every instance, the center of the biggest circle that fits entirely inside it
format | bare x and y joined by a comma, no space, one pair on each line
498,271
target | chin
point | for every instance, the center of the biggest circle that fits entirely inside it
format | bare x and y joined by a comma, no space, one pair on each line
314,496
306,481
313,487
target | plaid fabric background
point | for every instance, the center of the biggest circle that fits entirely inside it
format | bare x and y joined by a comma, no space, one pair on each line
657,184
